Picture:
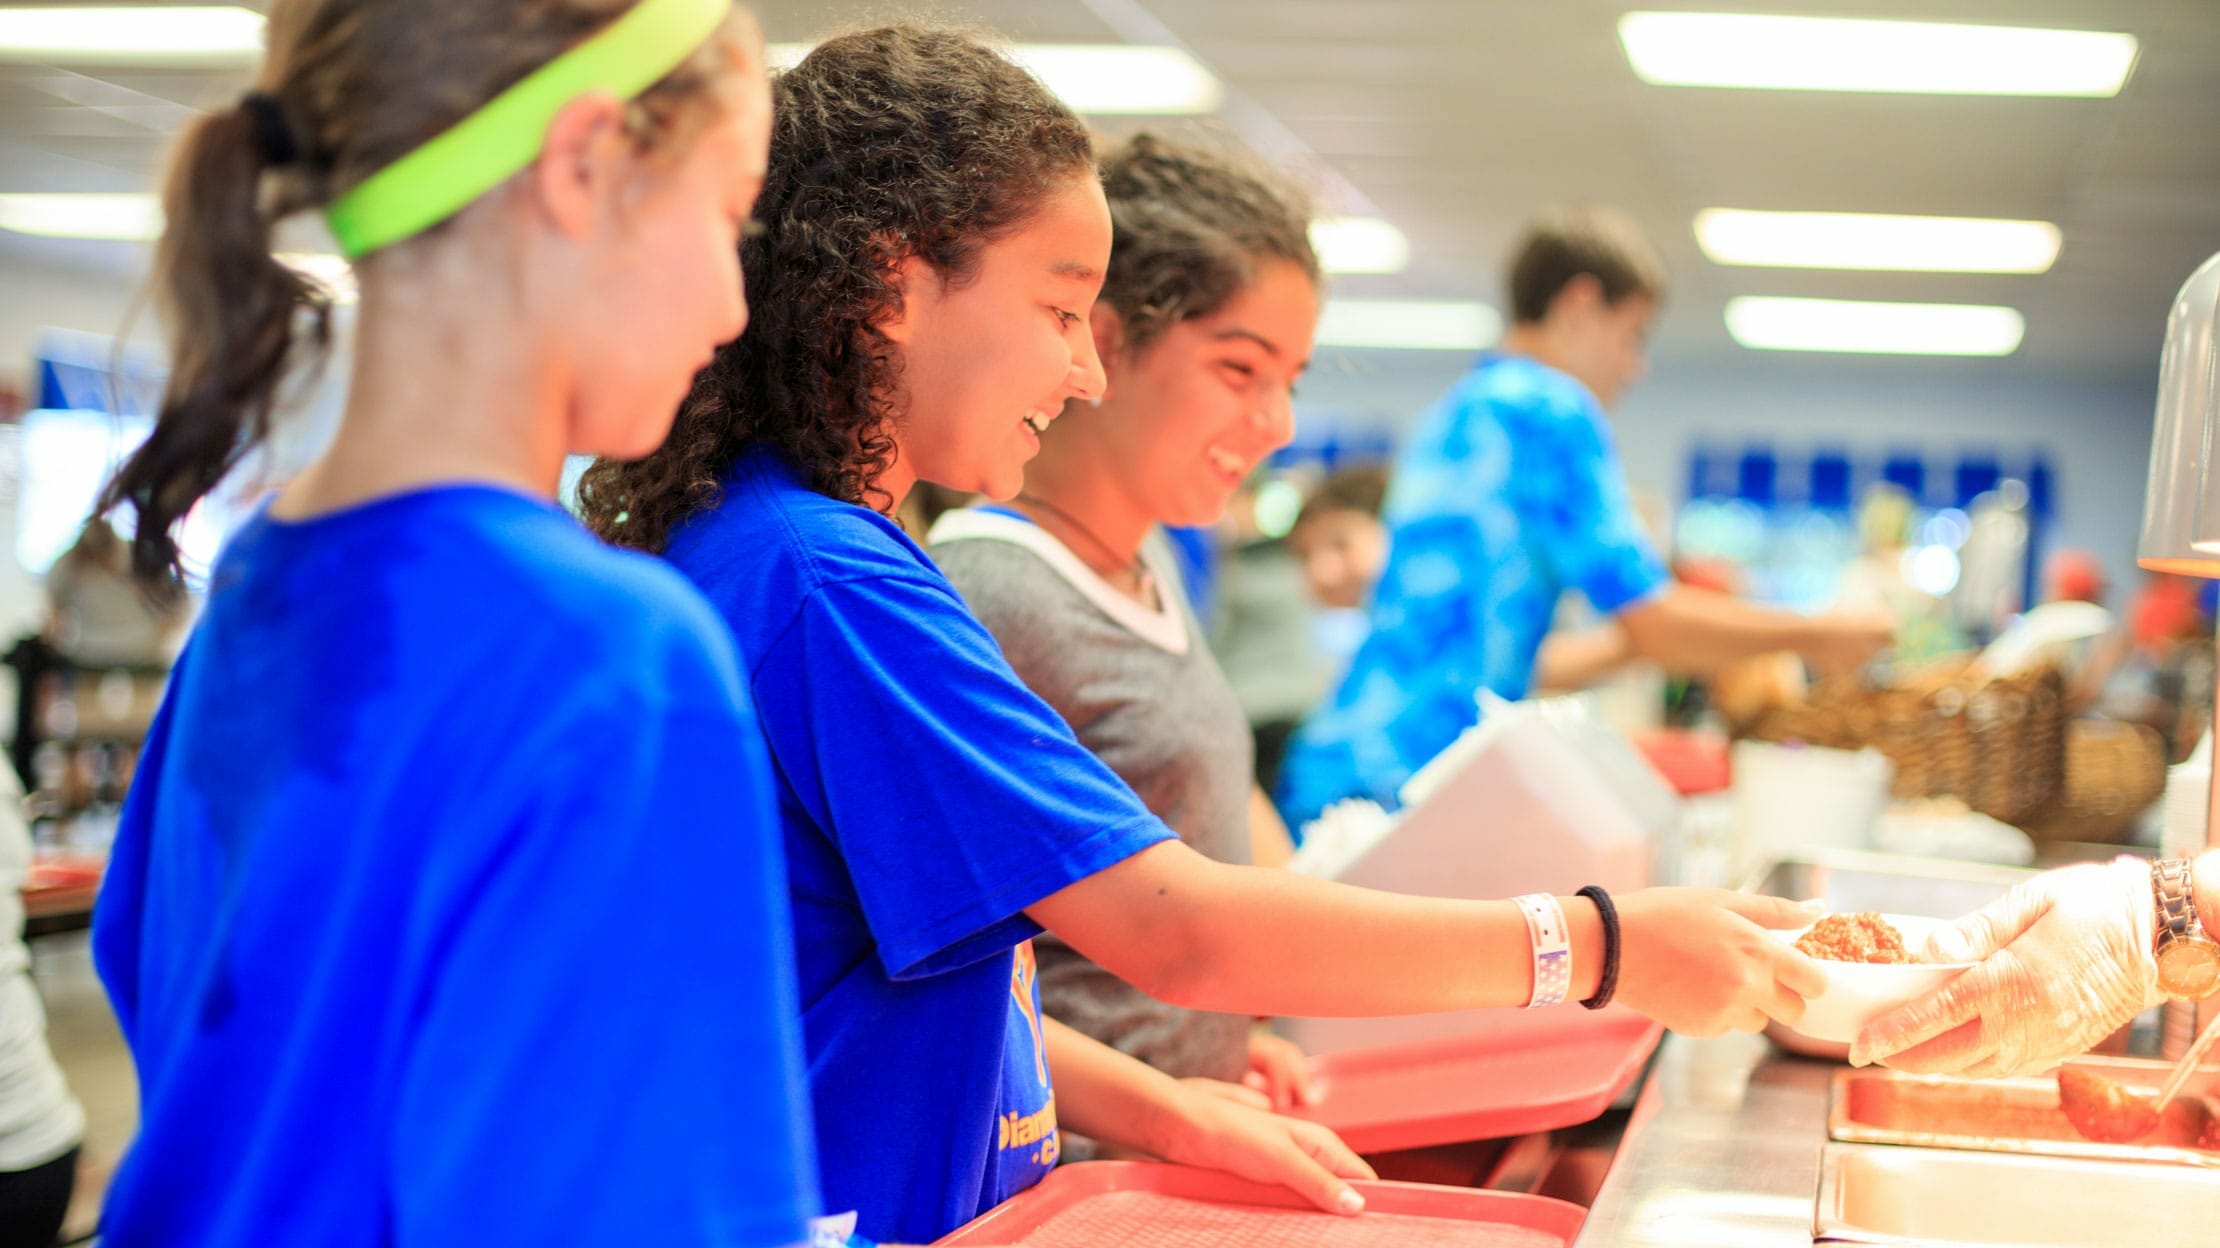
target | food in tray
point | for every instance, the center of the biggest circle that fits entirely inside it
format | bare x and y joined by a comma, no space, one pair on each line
2103,1109
1880,1107
1861,937
2111,1112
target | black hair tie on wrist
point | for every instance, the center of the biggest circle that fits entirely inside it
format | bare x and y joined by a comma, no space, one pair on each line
272,134
1609,984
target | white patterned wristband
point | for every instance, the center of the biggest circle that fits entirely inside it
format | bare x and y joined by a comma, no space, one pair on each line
1545,926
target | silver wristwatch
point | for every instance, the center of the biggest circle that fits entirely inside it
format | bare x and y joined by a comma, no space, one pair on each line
2188,959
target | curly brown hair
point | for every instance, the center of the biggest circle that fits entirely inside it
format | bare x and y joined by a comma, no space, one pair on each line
1190,224
904,141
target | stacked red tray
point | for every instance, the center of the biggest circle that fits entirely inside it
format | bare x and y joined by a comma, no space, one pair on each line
1523,1071
1126,1204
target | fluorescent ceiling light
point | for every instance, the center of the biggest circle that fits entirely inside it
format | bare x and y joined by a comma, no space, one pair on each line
1359,245
1123,78
1769,324
1838,54
1409,324
108,217
1099,78
132,34
1864,240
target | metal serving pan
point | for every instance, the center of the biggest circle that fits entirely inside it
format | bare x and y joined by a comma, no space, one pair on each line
1937,1198
2015,1115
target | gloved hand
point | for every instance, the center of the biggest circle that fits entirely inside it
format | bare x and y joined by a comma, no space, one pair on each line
2064,961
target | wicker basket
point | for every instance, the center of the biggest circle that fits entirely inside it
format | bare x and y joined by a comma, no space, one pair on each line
2114,772
1997,745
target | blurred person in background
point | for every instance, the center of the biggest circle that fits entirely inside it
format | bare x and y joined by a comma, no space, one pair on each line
97,613
1343,545
1340,540
1508,494
41,1124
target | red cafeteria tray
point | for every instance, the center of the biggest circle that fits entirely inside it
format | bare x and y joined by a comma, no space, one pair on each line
61,886
1527,1072
1139,1204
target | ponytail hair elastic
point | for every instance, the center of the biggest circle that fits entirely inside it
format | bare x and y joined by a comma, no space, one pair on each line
273,135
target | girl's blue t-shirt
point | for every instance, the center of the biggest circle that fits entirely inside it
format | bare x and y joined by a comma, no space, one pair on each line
447,905
928,797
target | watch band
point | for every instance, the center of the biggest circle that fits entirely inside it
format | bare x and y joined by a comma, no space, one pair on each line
2173,888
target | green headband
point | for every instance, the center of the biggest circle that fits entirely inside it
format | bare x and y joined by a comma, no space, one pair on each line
481,151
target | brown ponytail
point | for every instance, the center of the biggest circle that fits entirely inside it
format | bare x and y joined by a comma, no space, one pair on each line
348,87
231,309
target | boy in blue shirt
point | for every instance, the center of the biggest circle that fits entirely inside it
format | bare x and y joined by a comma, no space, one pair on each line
1508,494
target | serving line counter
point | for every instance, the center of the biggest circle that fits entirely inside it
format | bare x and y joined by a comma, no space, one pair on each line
1722,1151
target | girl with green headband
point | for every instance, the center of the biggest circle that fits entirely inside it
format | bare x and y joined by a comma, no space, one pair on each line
935,239
446,907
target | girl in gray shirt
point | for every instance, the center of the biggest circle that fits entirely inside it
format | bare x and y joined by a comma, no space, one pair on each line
1204,323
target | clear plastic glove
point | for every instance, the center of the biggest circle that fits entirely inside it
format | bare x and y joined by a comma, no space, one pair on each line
1217,1133
2064,961
1279,1072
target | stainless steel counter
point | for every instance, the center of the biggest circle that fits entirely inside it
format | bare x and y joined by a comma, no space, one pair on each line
1723,1151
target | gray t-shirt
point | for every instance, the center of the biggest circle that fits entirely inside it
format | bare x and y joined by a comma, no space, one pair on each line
1140,689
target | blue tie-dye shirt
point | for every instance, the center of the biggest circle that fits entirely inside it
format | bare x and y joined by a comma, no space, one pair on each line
1508,494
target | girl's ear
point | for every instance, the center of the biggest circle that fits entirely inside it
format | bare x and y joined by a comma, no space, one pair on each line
913,282
586,155
1109,331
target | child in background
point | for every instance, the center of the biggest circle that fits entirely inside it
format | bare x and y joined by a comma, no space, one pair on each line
1343,546
41,1124
1340,539
936,238
446,906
